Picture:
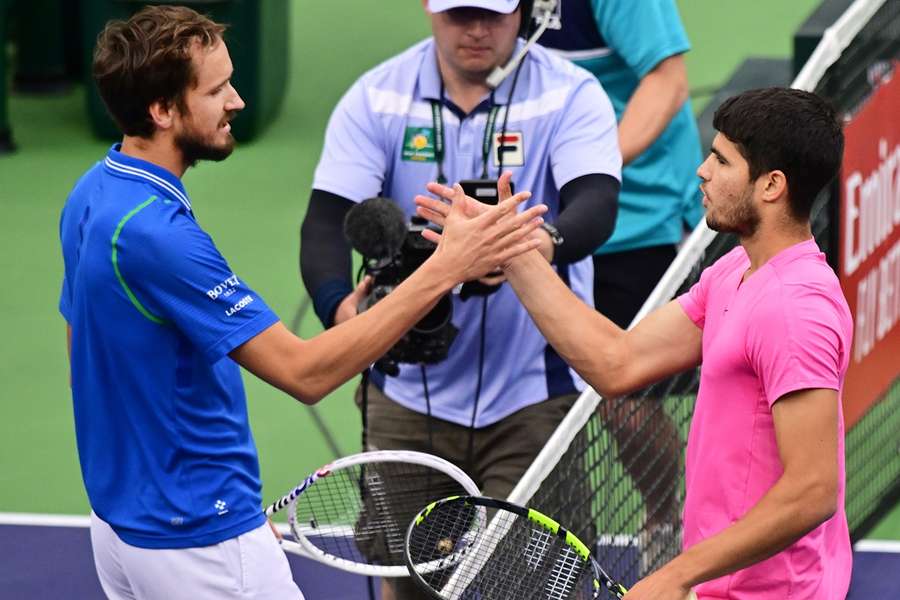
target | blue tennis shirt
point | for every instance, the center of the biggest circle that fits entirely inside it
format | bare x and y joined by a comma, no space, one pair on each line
381,141
165,447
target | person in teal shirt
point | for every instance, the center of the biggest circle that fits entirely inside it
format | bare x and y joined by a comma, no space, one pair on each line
636,51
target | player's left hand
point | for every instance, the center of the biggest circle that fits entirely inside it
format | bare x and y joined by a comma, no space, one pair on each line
274,529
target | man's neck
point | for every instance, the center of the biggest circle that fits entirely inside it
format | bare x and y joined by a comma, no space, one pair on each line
465,92
160,152
765,244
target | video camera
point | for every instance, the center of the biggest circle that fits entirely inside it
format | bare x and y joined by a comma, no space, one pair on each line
392,249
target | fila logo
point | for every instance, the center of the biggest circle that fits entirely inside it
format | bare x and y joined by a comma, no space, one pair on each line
512,145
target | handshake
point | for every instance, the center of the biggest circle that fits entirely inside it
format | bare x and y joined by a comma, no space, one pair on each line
476,238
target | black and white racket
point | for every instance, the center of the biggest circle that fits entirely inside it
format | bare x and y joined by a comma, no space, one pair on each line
520,554
352,514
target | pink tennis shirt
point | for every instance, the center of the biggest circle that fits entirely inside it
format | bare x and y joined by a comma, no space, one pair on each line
785,328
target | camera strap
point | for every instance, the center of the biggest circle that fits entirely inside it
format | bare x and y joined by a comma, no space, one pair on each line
438,123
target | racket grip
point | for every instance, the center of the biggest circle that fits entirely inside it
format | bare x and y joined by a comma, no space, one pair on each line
287,499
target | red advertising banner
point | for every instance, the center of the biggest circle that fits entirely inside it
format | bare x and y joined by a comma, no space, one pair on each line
870,244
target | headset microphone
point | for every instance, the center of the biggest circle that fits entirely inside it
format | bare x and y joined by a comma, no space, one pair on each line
546,13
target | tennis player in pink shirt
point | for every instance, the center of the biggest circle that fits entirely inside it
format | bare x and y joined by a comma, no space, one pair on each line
764,512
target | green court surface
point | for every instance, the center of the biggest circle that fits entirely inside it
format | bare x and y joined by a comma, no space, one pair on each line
252,206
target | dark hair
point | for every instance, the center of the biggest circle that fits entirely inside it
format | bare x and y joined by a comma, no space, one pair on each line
786,129
148,59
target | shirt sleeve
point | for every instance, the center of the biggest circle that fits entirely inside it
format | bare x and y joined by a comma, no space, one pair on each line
693,301
796,343
642,33
182,280
65,301
354,159
586,141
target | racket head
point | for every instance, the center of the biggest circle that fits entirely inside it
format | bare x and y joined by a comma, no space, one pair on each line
521,553
354,514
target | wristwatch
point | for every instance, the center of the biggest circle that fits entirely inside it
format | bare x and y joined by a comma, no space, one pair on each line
555,236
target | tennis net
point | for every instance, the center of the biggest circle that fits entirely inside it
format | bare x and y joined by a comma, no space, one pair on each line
614,469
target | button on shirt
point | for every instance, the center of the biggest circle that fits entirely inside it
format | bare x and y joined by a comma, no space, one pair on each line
164,442
380,141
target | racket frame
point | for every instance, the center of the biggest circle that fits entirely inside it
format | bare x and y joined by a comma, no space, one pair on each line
304,547
496,529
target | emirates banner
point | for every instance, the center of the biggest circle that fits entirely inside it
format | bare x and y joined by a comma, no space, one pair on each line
870,242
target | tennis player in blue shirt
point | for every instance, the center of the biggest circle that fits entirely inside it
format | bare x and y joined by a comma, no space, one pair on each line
158,325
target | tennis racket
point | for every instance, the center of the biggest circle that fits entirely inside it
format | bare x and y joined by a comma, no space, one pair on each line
521,554
352,514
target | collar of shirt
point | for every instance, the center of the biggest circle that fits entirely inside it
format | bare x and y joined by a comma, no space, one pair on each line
122,165
430,83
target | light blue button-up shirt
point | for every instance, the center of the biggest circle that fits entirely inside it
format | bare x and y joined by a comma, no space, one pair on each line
380,141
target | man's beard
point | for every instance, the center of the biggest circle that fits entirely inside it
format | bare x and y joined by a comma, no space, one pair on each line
742,219
195,147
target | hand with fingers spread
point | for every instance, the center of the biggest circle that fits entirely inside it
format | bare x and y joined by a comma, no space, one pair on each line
476,237
436,211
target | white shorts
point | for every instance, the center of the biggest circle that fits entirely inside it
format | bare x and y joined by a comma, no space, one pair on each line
251,565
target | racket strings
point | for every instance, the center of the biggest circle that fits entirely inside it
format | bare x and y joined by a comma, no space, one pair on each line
360,513
528,562
512,558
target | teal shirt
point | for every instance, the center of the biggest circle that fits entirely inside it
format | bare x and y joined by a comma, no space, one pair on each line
625,40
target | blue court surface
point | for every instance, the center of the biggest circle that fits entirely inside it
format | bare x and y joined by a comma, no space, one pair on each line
54,561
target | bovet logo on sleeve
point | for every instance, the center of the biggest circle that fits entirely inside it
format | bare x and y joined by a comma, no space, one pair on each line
224,289
239,305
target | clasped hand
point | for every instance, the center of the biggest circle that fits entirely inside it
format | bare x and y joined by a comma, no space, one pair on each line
458,211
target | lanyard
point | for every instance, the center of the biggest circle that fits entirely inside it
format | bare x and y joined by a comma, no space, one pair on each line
438,122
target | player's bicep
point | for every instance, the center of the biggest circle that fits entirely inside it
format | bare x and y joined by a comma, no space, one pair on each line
665,342
807,432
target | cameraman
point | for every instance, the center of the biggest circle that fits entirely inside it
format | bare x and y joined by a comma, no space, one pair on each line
429,114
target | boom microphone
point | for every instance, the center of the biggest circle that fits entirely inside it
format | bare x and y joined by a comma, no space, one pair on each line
375,228
546,13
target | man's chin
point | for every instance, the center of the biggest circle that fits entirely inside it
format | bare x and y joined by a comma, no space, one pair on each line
194,152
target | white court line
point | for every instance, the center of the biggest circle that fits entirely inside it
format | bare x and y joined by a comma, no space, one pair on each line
877,546
40,520
46,520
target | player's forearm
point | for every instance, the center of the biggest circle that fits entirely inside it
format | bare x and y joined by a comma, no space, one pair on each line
658,97
340,353
589,342
792,508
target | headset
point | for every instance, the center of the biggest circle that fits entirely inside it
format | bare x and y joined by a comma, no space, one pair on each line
527,9
546,13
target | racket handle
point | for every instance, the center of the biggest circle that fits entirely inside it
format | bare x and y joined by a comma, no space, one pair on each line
288,498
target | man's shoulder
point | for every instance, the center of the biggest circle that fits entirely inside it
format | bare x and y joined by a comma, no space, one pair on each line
398,69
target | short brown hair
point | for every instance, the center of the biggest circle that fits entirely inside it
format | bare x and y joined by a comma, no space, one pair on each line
791,130
147,59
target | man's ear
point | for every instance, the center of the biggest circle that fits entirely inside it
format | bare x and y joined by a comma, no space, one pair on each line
162,114
774,185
